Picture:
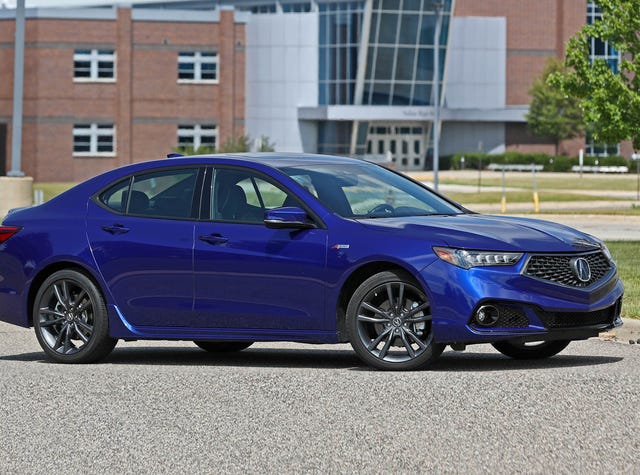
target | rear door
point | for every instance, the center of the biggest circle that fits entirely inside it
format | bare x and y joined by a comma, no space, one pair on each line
141,234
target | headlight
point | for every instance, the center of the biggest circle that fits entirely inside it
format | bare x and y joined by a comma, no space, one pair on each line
606,252
467,259
603,248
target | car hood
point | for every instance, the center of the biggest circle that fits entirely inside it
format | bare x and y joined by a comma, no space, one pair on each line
483,232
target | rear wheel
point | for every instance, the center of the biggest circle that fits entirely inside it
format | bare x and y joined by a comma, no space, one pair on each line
223,346
70,319
389,323
531,350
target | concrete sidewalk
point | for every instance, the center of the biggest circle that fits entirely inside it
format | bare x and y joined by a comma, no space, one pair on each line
629,332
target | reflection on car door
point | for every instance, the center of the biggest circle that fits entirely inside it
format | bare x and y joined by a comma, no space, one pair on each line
248,276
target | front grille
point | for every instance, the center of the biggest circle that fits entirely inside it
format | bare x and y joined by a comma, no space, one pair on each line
579,319
557,268
511,317
508,317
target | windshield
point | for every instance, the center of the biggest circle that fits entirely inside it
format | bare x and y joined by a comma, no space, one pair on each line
364,190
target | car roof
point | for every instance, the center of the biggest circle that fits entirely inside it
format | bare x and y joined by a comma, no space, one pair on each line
262,159
273,159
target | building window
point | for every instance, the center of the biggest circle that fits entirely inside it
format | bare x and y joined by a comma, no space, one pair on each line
264,9
94,140
601,149
599,49
94,65
400,51
296,7
197,66
197,136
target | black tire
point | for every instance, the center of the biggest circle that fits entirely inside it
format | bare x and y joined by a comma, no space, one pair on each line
223,346
531,351
70,319
389,323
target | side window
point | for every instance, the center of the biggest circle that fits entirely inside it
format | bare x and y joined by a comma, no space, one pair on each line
115,197
262,194
244,196
166,194
163,194
306,182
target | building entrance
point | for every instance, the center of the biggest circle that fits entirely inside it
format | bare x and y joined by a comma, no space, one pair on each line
406,143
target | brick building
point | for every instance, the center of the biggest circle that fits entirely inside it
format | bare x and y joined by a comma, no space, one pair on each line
353,77
105,87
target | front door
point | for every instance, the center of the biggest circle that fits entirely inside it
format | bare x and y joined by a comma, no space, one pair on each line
248,276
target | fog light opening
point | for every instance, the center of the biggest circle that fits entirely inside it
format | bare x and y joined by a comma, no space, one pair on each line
487,316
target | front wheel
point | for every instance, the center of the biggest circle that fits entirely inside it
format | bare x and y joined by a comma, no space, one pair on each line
389,323
70,319
531,350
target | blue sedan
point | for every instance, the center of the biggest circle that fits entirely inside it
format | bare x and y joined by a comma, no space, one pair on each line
226,250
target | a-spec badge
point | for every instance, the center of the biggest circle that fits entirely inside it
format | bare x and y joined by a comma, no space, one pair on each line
581,269
340,246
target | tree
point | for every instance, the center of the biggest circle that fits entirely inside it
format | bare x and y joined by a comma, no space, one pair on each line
231,145
609,97
551,113
235,145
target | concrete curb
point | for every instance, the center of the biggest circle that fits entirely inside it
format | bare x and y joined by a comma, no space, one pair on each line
628,332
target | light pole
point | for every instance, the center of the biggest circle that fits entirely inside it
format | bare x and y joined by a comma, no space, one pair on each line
18,80
636,158
437,6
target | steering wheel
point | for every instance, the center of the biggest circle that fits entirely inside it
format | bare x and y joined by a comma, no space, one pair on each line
383,208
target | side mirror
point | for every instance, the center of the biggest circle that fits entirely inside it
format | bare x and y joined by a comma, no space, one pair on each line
290,217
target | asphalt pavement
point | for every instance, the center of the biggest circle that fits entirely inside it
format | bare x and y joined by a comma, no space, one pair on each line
156,407
166,407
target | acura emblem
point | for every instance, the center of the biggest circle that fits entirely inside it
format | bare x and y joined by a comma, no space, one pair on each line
581,269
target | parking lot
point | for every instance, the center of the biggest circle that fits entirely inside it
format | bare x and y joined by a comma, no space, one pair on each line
160,407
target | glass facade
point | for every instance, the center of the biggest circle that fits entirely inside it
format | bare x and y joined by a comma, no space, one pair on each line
399,52
604,50
334,138
392,66
601,49
340,32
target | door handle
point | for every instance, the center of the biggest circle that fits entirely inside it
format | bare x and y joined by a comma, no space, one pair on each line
213,239
116,229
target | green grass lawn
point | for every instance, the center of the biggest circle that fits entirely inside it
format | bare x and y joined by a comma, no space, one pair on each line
52,189
547,181
488,197
626,253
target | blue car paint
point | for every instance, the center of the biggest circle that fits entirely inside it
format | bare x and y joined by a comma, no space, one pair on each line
265,284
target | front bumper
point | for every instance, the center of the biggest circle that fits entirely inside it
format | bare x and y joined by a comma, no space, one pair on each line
530,310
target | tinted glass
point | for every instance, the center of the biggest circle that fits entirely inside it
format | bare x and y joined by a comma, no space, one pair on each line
115,197
167,194
244,196
363,190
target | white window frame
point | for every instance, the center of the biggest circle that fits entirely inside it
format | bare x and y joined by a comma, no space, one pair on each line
591,145
93,131
198,60
94,58
196,132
